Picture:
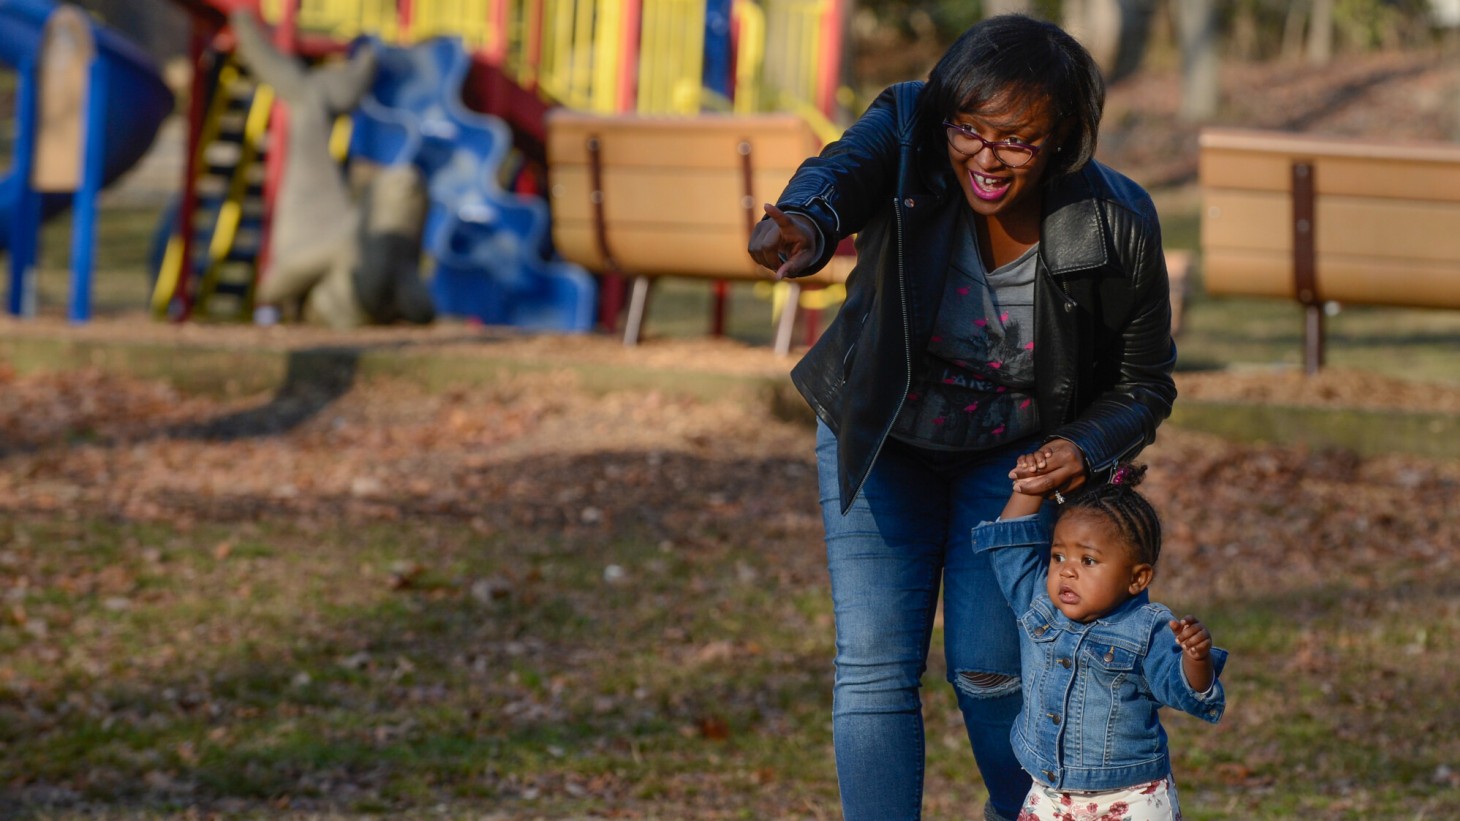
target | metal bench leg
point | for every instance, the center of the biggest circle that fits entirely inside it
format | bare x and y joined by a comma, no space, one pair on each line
634,322
787,324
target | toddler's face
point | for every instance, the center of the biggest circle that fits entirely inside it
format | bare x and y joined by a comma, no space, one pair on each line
1091,570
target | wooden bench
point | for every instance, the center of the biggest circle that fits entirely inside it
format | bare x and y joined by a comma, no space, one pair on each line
1320,219
651,196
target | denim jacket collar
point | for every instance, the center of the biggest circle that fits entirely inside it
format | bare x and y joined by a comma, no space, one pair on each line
1114,620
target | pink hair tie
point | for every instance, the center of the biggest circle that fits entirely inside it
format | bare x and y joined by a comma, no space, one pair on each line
1119,476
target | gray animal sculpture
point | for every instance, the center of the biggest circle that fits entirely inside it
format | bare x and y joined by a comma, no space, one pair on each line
353,260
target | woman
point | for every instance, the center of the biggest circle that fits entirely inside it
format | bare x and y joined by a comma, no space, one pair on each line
1010,293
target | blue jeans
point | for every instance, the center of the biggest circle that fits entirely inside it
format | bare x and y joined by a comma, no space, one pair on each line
907,534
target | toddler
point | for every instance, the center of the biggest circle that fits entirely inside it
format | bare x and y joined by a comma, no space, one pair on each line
1099,658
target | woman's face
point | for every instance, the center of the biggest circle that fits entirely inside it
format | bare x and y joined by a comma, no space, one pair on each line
999,187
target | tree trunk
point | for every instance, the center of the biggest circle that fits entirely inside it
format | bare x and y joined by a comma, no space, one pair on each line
1115,32
1320,33
995,7
1292,47
1452,54
1196,26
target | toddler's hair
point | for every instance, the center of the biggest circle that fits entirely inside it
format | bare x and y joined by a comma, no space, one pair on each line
1120,503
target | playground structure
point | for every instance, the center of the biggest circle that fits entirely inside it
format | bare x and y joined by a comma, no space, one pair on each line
463,93
88,106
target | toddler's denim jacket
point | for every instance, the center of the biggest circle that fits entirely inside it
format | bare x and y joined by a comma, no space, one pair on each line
1091,691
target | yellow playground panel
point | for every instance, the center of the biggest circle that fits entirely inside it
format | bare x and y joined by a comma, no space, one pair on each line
618,56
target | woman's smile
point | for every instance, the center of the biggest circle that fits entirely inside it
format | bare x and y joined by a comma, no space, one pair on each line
985,187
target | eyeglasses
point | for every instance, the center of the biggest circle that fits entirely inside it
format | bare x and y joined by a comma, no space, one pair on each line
1012,153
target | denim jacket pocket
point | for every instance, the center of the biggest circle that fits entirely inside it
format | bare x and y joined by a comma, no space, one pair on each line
1111,659
1037,627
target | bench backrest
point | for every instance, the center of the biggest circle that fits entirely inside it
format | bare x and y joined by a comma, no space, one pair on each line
1385,218
652,196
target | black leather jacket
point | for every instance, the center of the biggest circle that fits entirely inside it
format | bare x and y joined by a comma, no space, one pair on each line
1102,310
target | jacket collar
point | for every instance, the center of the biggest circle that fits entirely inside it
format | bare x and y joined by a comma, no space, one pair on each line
1072,212
1054,617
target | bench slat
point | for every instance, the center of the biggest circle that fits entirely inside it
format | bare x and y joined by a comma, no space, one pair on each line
654,195
649,250
1342,176
1426,231
706,141
1354,279
660,250
1249,140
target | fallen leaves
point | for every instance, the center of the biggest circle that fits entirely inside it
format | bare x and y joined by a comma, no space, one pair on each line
681,532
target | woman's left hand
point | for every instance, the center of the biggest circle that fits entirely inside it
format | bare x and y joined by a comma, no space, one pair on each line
1053,469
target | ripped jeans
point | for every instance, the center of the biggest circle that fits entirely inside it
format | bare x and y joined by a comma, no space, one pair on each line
905,536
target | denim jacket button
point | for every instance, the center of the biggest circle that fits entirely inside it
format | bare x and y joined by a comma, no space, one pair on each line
1049,776
1055,717
1065,663
1039,631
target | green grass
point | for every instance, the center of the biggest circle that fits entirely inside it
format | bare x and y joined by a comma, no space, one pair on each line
257,665
1336,712
1406,343
137,659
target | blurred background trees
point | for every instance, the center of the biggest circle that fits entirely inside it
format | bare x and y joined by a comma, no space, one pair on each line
897,39
891,40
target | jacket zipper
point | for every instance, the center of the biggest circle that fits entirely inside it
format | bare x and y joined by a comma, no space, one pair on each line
1068,306
906,353
906,326
904,163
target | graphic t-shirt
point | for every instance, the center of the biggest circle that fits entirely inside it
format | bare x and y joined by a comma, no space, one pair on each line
973,388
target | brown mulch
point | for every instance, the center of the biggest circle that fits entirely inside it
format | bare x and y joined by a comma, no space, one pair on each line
538,445
1330,387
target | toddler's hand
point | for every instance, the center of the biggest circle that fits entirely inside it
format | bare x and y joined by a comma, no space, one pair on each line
1193,636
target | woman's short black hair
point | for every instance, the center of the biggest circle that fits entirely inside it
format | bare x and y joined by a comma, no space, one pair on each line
1033,60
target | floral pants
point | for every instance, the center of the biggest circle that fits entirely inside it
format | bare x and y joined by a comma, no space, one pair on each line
1153,801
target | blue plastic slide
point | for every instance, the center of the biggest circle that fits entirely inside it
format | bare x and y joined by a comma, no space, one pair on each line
489,247
136,103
